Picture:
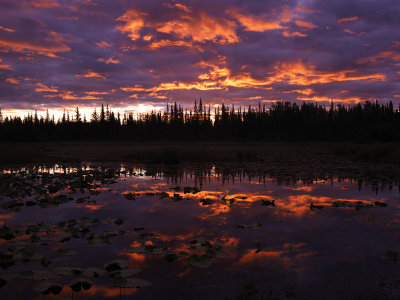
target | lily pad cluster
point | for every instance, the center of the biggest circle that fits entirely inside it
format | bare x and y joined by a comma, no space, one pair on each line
78,279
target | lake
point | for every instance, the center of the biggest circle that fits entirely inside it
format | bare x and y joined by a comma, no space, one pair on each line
117,232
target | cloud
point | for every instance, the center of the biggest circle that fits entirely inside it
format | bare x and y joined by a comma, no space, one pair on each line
5,66
109,60
33,35
256,23
201,28
43,3
12,80
305,24
128,53
90,74
133,22
348,20
381,57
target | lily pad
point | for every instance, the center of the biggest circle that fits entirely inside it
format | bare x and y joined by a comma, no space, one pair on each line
119,220
66,252
390,255
125,273
200,262
115,265
68,271
37,275
80,283
131,283
47,288
93,272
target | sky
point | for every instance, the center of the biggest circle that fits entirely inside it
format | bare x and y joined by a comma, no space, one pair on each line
140,55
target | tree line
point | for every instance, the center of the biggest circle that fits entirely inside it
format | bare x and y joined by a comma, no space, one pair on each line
283,121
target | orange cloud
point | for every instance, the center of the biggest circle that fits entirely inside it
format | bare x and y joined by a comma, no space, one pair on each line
96,93
103,44
68,95
256,23
324,98
7,29
386,55
5,66
53,43
183,7
305,74
348,20
304,24
295,33
90,74
134,22
202,28
306,10
109,60
169,43
220,77
350,31
42,88
43,3
12,80
307,92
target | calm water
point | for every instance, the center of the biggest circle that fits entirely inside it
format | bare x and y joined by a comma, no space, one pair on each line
196,235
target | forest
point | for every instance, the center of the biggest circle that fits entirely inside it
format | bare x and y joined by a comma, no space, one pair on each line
283,121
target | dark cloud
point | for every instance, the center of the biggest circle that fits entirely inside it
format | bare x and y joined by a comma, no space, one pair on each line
62,53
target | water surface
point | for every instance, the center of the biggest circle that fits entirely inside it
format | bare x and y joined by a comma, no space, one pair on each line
188,234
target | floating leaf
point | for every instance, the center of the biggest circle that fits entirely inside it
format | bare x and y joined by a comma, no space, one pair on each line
47,288
45,262
390,255
3,282
131,283
139,228
148,249
130,196
115,265
37,275
125,273
250,227
80,283
66,252
119,220
174,255
200,262
68,271
6,260
93,272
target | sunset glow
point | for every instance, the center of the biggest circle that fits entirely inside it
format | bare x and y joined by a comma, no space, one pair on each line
57,54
